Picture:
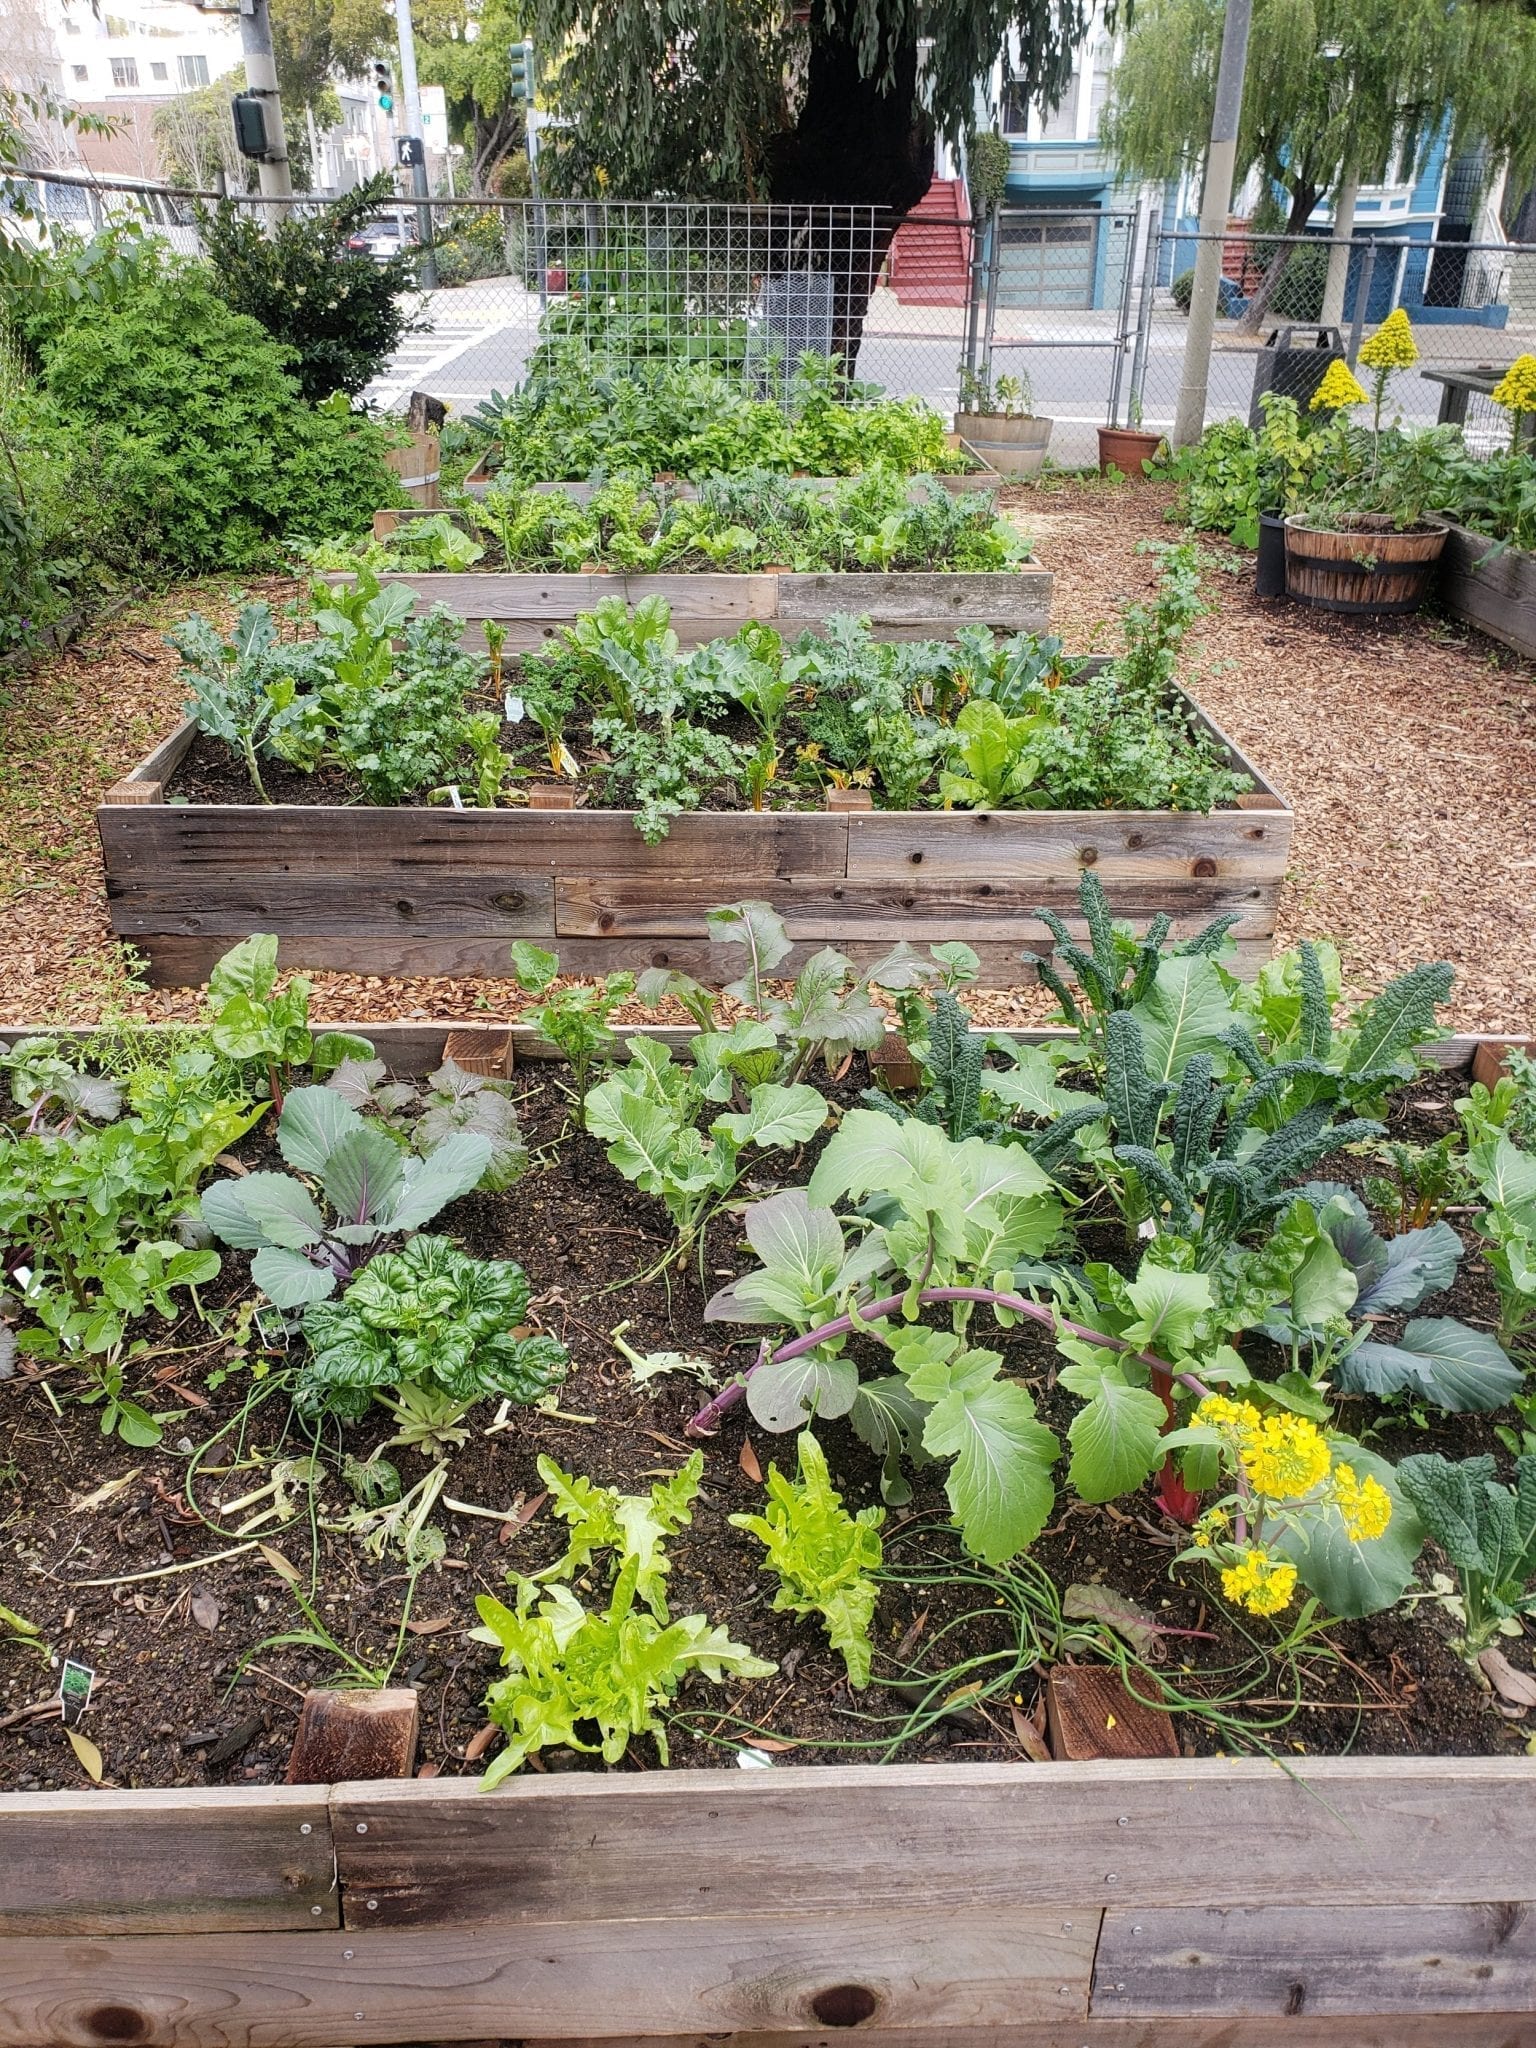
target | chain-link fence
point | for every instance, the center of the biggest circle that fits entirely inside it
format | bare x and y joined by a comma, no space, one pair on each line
1084,309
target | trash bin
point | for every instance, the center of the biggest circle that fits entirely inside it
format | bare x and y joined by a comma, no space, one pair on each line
1292,365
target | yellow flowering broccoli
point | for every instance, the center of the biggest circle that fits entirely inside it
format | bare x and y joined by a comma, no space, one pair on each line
1516,392
1392,346
1259,1583
1338,390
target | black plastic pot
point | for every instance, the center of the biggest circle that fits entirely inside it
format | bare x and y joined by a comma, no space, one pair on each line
1270,578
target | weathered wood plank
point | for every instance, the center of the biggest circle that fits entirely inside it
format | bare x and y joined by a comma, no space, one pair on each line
1017,598
145,1863
919,1970
209,843
1238,1963
379,906
1381,1831
1053,846
160,765
1496,595
1403,2030
914,906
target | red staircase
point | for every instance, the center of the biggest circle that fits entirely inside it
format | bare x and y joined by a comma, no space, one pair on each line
930,261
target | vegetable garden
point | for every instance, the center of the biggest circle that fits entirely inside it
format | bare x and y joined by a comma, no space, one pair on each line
738,1389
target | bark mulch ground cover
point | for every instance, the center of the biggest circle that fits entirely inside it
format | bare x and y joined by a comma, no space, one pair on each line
1407,747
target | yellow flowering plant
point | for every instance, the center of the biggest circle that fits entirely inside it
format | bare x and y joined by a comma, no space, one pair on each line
1339,390
1391,347
1516,392
1288,1478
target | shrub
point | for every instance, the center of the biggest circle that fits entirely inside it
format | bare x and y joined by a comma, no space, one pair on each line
200,446
340,314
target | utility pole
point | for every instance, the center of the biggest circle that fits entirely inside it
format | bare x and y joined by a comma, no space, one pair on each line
416,154
261,83
1215,203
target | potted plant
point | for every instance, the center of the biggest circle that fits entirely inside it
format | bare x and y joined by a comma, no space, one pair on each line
997,422
1129,447
1366,543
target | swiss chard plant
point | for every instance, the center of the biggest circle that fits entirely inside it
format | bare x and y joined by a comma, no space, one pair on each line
251,1022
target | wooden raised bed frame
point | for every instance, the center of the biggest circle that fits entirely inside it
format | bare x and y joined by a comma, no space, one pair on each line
1498,596
1322,1902
431,891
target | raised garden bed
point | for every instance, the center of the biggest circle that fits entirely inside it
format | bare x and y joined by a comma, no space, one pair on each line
436,891
482,478
1498,596
535,606
1379,1901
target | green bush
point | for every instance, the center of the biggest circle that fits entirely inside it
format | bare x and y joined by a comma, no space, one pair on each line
1183,289
202,452
477,247
340,314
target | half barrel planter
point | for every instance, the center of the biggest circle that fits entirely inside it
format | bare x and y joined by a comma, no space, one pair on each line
1367,568
430,891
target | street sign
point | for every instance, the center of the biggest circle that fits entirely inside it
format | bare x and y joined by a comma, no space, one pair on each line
409,150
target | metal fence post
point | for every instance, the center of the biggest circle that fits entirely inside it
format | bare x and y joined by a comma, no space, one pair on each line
1362,301
1152,257
1123,318
994,265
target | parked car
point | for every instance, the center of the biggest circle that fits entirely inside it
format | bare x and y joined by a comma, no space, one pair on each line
381,239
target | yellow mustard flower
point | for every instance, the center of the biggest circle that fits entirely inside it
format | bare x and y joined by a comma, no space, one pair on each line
1516,389
1392,346
1258,1583
1213,1523
1339,389
1364,1504
1286,1457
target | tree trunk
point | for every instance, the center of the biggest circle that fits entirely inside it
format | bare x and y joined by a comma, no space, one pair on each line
1304,198
857,144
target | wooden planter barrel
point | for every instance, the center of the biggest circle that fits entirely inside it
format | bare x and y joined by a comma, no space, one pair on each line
1365,568
415,891
1496,592
1012,444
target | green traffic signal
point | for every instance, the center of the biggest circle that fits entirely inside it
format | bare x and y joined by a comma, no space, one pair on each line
522,71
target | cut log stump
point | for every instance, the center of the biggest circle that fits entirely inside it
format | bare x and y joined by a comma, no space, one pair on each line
347,1736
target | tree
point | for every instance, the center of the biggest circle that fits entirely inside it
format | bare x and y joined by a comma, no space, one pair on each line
195,135
316,40
834,105
1340,92
465,46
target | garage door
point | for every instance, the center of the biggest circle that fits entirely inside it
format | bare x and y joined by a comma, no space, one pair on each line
1048,261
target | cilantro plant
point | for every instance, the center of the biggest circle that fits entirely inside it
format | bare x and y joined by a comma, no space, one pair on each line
822,1556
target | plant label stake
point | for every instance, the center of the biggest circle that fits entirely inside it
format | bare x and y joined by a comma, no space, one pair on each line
75,1683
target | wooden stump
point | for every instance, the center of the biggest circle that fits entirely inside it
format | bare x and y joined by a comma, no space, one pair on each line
346,1736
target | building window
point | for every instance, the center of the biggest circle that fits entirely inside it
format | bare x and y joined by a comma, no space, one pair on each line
159,71
1060,124
192,71
125,71
82,72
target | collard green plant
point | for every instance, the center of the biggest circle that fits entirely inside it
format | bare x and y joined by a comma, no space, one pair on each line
822,1556
373,1188
1487,1531
428,1332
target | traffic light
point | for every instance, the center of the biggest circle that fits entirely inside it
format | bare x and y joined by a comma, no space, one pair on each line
383,84
522,72
250,125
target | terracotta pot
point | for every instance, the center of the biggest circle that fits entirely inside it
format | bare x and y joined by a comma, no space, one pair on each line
1127,448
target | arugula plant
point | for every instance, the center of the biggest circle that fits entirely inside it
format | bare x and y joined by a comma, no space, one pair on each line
251,1022
822,1557
427,1332
1505,1179
634,1528
647,1114
373,1187
1487,1531
574,1018
1350,1278
575,1671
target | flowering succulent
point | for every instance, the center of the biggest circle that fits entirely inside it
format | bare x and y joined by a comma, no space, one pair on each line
1285,1474
1392,346
1339,388
1516,392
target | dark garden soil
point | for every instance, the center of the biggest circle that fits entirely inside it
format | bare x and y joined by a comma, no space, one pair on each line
174,1707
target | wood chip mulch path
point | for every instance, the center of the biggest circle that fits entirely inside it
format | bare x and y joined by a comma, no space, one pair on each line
1407,747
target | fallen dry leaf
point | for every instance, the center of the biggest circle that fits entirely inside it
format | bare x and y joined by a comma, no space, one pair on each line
1028,1736
206,1611
1515,1686
478,1744
748,1462
434,1627
280,1564
87,1752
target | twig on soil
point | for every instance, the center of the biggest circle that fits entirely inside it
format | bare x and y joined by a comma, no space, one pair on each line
192,1565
